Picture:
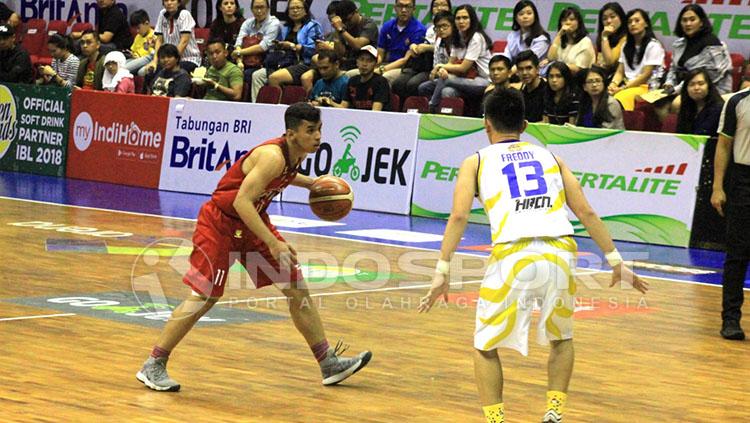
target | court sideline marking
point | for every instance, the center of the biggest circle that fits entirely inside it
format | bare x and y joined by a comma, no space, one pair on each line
41,316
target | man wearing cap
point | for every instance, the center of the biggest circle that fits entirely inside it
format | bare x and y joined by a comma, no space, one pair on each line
368,90
15,63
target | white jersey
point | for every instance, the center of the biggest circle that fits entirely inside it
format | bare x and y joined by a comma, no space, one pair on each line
522,191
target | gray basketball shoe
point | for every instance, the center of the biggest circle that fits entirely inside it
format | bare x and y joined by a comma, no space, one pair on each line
335,368
154,375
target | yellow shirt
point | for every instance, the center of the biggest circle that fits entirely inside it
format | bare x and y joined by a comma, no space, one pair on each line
143,46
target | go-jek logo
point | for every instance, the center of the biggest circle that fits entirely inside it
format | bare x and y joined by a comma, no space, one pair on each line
381,165
7,119
86,130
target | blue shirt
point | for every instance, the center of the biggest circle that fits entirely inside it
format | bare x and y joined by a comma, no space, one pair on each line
335,89
396,43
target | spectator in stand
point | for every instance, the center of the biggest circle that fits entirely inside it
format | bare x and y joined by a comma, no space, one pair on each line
562,100
171,80
420,57
700,106
143,48
500,67
91,69
331,87
696,48
533,86
299,37
351,32
598,108
256,37
368,90
114,32
572,45
396,37
116,77
15,63
528,34
307,80
224,78
64,69
175,26
228,22
641,61
9,17
611,37
467,74
745,81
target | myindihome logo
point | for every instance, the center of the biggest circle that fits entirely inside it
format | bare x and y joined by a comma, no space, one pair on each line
376,164
7,119
86,130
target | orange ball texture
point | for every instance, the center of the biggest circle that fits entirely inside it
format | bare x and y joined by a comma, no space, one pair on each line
331,198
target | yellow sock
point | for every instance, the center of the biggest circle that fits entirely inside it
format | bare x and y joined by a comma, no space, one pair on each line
494,413
555,406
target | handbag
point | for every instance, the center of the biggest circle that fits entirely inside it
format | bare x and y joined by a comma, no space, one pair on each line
420,62
471,73
252,60
278,58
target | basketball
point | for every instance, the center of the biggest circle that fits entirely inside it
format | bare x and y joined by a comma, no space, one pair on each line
331,198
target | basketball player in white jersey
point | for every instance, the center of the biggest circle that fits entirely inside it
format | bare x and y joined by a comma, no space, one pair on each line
523,188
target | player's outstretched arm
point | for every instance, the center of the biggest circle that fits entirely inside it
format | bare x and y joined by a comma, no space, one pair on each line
580,206
266,163
463,196
303,181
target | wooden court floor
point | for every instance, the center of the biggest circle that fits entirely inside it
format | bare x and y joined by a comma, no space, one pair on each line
652,359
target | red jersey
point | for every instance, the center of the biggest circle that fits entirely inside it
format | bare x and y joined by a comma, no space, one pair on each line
229,184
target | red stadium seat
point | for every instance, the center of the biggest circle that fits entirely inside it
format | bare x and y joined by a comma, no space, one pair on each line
499,46
246,89
201,38
451,106
650,119
81,26
293,94
269,95
34,36
57,27
670,123
417,103
667,61
395,102
634,120
738,61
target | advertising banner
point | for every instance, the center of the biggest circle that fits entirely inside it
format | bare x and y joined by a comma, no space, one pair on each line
640,197
374,152
204,138
33,128
730,18
113,141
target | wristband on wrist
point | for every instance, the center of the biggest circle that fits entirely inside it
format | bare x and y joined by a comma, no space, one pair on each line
613,258
443,267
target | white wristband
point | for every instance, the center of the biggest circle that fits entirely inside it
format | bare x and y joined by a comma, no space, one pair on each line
442,267
613,258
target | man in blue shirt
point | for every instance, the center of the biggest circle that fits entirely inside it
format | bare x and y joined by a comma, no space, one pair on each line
331,87
395,38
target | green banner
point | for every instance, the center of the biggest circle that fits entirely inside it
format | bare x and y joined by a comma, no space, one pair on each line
34,128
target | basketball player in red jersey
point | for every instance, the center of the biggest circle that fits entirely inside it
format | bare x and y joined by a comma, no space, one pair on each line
235,221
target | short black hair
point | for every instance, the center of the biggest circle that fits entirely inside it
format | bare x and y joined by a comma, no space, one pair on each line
345,8
60,41
216,40
504,109
527,55
138,17
328,54
500,58
168,50
333,8
92,32
298,112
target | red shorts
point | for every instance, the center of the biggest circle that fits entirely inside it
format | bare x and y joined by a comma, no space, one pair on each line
219,241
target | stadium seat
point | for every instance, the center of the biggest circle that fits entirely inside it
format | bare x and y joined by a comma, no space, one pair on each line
201,38
738,61
667,61
269,95
634,120
57,27
650,119
81,26
670,123
395,102
499,46
246,90
34,37
417,103
451,106
139,81
293,94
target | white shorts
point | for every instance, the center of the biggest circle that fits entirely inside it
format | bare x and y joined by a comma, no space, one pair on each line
520,275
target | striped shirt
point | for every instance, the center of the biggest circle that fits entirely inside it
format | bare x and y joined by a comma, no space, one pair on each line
68,69
734,124
172,30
